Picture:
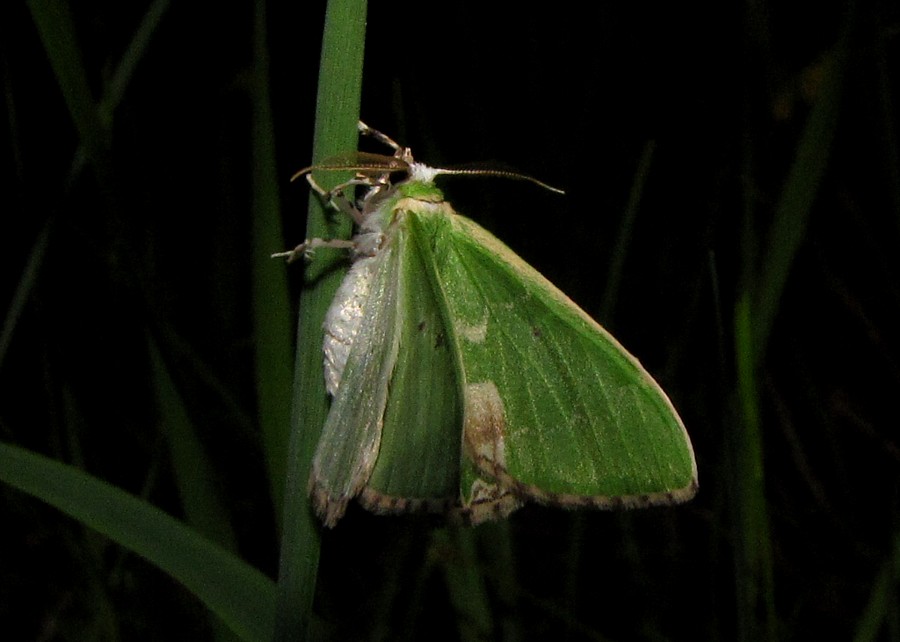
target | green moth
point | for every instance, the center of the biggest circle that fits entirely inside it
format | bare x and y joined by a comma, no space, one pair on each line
463,381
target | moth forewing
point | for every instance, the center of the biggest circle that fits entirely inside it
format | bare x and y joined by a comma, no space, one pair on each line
474,498
418,465
351,436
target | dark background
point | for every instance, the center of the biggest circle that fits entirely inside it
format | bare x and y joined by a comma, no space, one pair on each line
715,95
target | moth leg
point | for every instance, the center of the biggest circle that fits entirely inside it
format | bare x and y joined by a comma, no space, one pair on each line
336,199
306,248
403,153
365,130
334,192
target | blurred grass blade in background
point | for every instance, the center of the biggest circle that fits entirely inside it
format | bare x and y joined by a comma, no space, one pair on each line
238,593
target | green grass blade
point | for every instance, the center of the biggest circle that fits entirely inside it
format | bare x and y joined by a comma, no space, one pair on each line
138,45
797,197
882,605
755,312
55,25
495,540
23,290
120,79
193,471
230,588
753,564
465,583
271,301
340,86
624,236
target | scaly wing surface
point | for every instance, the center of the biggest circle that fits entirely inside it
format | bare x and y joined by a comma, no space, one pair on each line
555,408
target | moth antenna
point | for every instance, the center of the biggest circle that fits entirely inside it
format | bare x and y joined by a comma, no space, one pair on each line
501,173
363,163
374,170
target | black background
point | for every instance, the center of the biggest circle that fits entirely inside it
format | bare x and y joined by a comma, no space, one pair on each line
571,94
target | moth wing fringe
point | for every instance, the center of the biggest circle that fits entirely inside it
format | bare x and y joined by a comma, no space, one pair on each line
528,492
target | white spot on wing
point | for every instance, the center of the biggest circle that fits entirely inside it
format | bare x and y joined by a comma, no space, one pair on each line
473,333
